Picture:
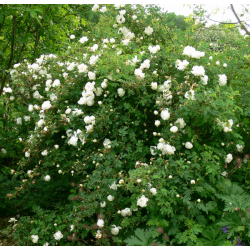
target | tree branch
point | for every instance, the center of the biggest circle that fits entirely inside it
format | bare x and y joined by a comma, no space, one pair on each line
241,24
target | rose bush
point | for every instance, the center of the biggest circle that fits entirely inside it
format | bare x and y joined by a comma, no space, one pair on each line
126,119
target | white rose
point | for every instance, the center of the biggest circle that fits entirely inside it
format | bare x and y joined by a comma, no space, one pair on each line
72,37
110,198
142,202
103,204
157,123
34,238
174,129
121,92
58,235
100,223
154,85
115,230
222,79
153,191
165,115
47,178
188,145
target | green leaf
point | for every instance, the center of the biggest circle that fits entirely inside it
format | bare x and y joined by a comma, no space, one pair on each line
141,237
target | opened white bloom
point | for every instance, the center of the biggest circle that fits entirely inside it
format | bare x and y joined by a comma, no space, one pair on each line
154,85
19,121
103,204
82,68
27,154
121,92
222,79
165,115
56,83
217,63
46,105
188,145
142,202
138,180
30,108
126,212
100,223
173,129
229,158
58,235
198,200
153,191
170,176
103,9
34,238
12,220
190,95
181,122
44,152
204,79
73,140
192,181
115,229
152,150
239,148
110,197
149,30
157,123
113,186
198,71
139,74
72,37
84,39
47,178
4,151
46,244
107,143
224,65
224,173
95,7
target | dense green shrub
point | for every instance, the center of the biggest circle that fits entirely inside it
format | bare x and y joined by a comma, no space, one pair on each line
142,126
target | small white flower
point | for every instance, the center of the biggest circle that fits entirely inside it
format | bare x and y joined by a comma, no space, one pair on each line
115,229
34,238
110,197
84,39
217,63
103,204
174,129
121,92
177,195
56,146
100,223
153,191
142,202
138,180
192,181
170,176
229,158
198,200
58,235
157,123
154,85
47,178
224,65
72,37
149,30
224,173
12,220
188,145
